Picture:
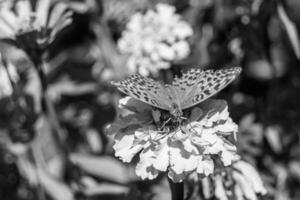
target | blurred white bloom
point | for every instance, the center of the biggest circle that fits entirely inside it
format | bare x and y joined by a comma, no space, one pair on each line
201,145
5,76
245,183
235,47
182,49
41,23
247,173
154,40
6,3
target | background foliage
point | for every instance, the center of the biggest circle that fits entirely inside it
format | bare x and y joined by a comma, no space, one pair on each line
260,36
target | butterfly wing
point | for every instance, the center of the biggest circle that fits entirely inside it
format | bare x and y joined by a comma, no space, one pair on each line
145,90
197,85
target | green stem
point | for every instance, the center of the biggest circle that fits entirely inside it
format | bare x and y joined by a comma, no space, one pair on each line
177,190
48,104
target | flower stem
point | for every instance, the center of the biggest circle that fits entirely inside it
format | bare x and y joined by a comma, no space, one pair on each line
176,190
48,104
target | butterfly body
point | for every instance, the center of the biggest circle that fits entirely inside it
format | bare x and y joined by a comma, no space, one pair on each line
193,87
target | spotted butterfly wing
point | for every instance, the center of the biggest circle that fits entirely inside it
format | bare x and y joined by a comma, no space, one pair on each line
144,89
197,85
193,87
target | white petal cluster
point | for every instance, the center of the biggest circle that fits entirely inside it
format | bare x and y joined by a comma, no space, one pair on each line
154,40
21,17
189,148
248,181
247,184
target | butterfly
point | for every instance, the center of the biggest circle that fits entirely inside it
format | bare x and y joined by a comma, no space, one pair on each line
193,87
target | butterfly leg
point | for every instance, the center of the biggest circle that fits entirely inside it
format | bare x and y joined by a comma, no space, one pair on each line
187,122
164,124
183,129
182,124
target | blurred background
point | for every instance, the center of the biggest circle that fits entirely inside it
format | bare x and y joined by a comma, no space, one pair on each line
109,40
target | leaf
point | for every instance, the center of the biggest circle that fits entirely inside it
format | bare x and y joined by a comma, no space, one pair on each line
55,188
272,134
294,167
47,148
103,167
91,187
27,170
290,28
94,140
67,87
161,190
33,88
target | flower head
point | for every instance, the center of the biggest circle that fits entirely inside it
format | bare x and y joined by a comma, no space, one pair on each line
154,40
241,181
35,26
201,143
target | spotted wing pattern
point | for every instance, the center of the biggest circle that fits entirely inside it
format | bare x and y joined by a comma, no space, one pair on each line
196,85
193,87
144,89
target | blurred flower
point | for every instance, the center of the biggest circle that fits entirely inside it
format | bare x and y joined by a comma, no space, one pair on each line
33,26
242,181
8,73
5,3
203,144
260,69
235,47
154,40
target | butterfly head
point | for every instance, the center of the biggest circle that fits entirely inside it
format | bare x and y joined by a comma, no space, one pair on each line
176,111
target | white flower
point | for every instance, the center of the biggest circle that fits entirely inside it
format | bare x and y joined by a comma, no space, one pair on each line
250,176
165,52
188,148
182,49
158,36
42,21
183,30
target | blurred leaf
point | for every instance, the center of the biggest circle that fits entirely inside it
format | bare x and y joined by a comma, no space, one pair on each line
94,140
91,187
290,28
161,190
294,167
82,6
33,88
272,134
27,170
47,149
248,124
250,135
55,188
67,87
281,174
103,167
260,69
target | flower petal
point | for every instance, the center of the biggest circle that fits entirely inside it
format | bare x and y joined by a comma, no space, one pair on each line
42,11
